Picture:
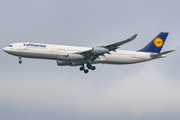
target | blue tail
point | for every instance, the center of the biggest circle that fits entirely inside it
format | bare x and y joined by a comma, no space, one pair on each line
156,44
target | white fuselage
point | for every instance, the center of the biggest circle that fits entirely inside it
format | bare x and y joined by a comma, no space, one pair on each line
54,52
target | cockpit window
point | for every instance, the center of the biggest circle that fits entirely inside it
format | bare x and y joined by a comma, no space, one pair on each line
10,46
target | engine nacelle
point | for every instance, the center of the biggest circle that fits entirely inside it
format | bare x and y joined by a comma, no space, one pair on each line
73,56
62,63
76,64
99,50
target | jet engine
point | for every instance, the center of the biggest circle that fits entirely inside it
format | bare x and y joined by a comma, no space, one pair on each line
62,63
73,56
99,50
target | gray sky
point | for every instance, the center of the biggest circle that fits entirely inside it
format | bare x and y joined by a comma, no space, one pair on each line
41,90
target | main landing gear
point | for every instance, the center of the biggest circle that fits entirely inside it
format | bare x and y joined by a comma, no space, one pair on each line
89,66
20,61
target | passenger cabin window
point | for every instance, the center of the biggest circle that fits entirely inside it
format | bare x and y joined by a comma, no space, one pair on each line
10,46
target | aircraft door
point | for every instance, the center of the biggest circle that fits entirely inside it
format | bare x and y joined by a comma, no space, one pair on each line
19,47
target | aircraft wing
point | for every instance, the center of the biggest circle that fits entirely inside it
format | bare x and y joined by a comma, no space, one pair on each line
95,52
115,46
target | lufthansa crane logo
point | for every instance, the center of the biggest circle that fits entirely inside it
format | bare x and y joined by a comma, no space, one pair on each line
158,42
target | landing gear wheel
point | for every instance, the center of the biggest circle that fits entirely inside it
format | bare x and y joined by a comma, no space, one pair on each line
89,66
93,68
20,61
81,68
86,71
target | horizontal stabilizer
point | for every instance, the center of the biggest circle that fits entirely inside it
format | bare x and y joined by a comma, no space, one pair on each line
159,54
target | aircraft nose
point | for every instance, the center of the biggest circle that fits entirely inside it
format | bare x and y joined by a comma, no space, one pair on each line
5,49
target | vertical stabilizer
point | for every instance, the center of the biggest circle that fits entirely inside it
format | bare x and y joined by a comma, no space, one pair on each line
156,44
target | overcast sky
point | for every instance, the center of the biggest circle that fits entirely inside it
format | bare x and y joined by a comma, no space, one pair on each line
41,90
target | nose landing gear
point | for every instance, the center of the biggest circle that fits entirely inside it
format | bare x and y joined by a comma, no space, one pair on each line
20,61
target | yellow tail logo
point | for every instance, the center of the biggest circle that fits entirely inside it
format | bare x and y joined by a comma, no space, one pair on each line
158,42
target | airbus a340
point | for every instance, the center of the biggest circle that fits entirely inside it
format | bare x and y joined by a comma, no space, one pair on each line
86,57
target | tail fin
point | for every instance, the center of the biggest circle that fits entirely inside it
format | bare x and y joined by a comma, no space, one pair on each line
156,44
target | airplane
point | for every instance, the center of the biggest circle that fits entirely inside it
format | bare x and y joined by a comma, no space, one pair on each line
85,57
